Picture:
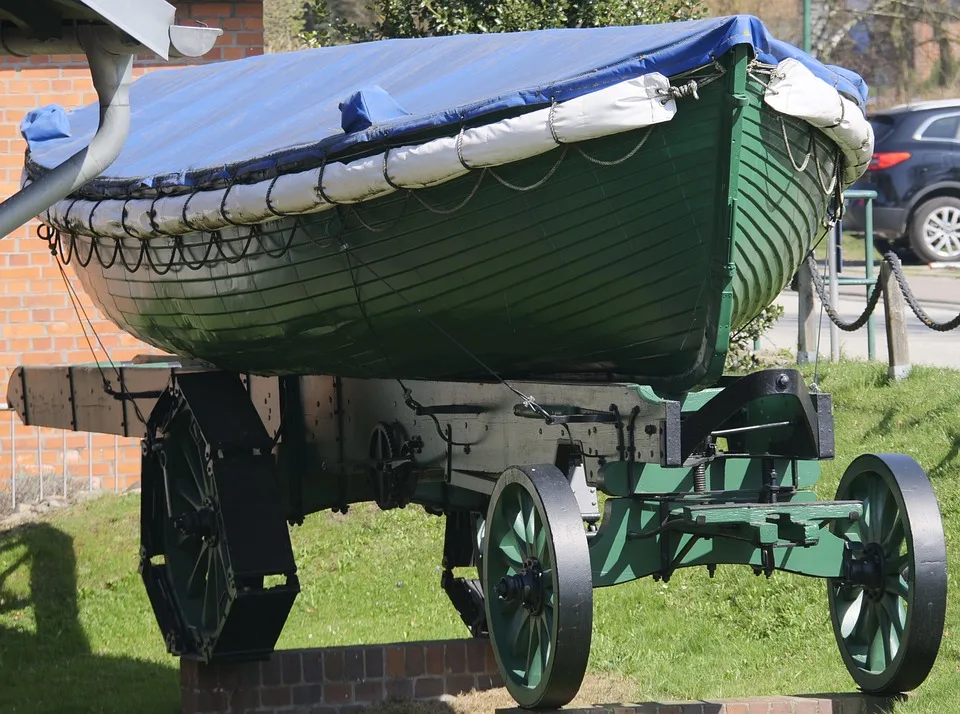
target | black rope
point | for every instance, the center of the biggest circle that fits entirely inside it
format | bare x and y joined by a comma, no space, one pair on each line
896,267
408,399
874,298
64,247
911,299
123,394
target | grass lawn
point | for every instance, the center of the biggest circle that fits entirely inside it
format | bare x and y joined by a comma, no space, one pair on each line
77,633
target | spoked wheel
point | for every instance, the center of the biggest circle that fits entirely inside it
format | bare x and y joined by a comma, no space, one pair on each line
537,576
888,614
212,529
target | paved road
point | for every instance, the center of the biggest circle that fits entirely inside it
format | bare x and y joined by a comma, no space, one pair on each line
939,296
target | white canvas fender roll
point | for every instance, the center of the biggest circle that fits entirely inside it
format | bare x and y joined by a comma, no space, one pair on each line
628,105
795,91
632,104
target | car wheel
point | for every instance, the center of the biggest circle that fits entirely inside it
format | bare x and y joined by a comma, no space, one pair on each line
935,230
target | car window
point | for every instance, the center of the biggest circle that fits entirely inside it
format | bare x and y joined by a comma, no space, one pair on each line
882,125
942,128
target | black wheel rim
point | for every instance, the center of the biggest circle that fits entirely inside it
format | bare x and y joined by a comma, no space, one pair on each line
198,565
538,585
889,620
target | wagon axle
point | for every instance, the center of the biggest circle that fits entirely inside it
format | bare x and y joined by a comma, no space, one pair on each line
201,522
525,586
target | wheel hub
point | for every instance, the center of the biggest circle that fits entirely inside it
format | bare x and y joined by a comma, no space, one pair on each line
867,569
201,522
525,586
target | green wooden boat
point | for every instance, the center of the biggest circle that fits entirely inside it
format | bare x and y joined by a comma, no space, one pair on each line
631,256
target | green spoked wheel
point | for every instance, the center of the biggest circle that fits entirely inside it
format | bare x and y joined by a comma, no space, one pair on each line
536,573
888,611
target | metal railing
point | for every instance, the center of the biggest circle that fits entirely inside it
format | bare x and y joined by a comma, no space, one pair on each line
60,478
835,267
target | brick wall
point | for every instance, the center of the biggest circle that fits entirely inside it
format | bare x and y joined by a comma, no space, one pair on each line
38,324
338,680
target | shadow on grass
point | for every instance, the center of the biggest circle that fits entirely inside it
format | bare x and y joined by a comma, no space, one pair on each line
45,655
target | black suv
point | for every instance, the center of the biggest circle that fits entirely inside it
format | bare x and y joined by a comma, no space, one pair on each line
916,173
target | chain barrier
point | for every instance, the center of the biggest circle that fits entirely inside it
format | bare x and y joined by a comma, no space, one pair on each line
897,269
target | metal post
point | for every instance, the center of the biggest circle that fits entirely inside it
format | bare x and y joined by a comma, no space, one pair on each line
806,318
895,308
834,290
868,267
806,26
40,461
89,461
116,462
13,459
63,461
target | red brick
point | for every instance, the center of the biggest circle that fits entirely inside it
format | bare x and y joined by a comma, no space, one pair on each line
188,673
210,10
477,655
337,693
368,691
399,688
456,658
290,665
735,708
333,666
312,667
373,663
353,665
275,696
248,9
249,39
243,699
459,683
759,708
434,658
415,664
424,687
489,681
807,706
396,662
307,694
270,672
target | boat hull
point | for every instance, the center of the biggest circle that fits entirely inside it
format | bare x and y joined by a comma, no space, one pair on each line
633,265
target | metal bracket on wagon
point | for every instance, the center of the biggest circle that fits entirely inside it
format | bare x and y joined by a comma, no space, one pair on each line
765,412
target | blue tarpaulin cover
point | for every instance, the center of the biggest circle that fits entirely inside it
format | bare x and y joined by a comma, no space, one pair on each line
207,124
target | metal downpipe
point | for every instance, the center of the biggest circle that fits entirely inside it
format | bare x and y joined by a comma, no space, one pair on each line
112,75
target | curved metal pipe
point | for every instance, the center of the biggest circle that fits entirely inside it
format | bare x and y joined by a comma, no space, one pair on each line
112,75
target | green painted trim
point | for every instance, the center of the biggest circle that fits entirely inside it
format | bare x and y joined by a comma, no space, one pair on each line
742,475
618,555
